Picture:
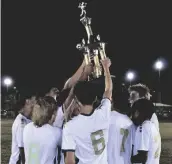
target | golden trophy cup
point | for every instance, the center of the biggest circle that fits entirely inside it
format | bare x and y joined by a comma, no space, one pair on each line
93,49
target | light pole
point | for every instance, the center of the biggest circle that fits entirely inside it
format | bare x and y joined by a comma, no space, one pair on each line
130,76
8,82
159,65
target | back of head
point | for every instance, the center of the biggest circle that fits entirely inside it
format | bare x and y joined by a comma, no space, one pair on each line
85,93
43,111
23,101
142,89
144,108
50,100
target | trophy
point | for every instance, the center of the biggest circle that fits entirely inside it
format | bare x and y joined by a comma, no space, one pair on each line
93,49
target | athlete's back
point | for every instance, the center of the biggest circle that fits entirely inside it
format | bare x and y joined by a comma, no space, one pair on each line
119,144
87,135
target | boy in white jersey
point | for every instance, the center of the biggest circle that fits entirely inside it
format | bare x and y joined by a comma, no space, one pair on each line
40,137
147,140
22,119
119,143
86,135
65,97
139,91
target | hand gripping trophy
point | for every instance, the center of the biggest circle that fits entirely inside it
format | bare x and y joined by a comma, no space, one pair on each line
93,50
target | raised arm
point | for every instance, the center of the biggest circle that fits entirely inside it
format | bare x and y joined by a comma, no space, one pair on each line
108,80
74,79
80,76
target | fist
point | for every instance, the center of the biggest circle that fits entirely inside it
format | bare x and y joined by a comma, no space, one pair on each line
106,62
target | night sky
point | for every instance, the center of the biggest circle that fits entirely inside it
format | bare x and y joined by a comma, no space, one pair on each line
39,40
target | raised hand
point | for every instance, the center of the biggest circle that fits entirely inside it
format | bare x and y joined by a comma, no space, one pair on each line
106,62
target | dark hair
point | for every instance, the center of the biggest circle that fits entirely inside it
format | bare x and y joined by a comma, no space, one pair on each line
50,100
85,93
20,104
144,107
140,88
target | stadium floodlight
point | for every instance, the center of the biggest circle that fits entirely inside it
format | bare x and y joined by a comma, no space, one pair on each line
8,82
130,76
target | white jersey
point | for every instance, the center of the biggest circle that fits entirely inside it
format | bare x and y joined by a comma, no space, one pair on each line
119,143
154,119
87,135
147,138
59,118
17,137
40,143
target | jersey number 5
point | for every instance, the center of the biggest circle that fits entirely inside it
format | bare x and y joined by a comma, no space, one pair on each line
100,142
125,133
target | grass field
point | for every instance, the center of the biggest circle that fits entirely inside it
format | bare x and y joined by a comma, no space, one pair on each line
165,129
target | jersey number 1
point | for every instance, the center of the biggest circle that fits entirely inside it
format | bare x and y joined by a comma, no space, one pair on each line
125,133
98,142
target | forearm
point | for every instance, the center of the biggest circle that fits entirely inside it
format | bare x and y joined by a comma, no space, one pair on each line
108,83
69,99
75,78
69,158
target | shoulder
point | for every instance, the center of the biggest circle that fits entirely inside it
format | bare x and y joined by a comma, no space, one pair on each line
122,117
154,118
145,126
57,130
20,120
29,125
106,101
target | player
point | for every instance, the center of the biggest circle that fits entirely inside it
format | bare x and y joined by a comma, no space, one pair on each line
86,135
22,119
147,142
141,91
119,142
66,96
40,137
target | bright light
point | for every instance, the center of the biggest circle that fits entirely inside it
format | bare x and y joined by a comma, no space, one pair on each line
8,81
130,76
159,65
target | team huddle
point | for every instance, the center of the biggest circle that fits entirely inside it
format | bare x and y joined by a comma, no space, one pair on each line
74,126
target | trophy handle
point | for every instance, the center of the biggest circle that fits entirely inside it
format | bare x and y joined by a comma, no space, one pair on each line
102,51
97,66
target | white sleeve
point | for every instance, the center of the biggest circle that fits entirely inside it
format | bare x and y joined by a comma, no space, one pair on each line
19,135
154,119
105,108
59,118
143,138
68,142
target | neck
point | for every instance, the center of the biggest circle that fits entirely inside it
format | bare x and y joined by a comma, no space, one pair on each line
24,113
87,109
